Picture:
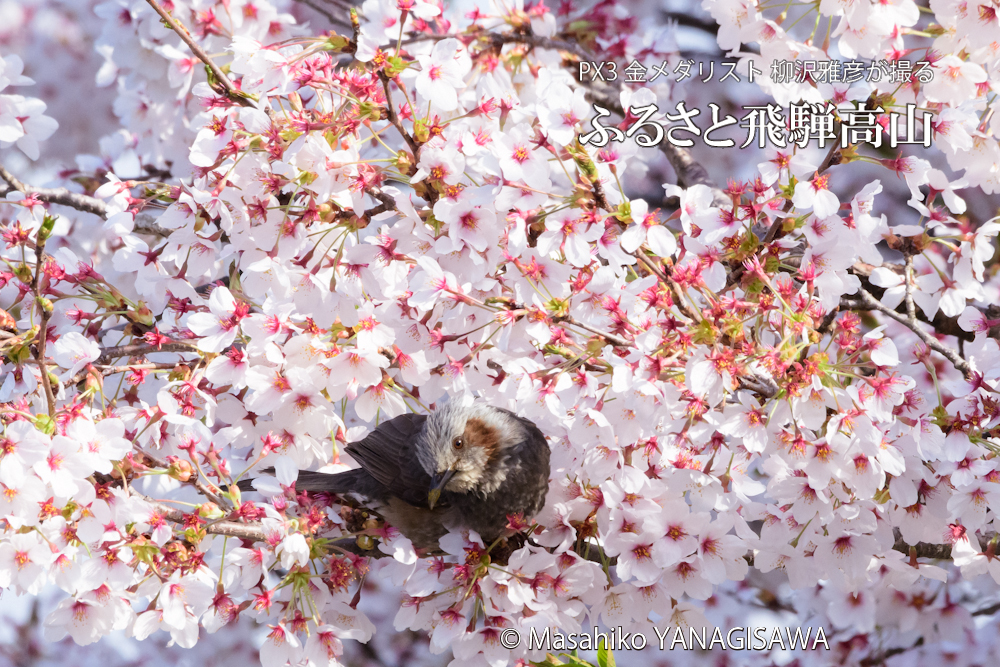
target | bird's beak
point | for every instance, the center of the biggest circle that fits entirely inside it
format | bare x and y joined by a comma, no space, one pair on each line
438,483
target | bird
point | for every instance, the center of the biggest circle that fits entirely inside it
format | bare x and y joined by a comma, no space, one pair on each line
460,467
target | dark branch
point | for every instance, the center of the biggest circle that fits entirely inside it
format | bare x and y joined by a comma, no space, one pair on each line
326,13
56,195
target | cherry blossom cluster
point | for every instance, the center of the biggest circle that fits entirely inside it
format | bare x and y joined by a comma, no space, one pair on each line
768,393
23,122
959,39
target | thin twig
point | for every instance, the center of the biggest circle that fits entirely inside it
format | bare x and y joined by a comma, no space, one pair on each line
675,289
931,342
394,117
231,91
144,223
542,43
822,330
499,39
340,4
940,323
197,483
388,203
987,611
43,328
611,338
911,310
112,370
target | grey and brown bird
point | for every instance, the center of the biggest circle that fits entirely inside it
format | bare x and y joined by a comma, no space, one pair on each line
461,467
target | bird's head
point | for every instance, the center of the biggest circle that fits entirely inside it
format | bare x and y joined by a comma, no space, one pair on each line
462,448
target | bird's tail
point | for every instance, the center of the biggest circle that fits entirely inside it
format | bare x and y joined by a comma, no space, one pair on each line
319,482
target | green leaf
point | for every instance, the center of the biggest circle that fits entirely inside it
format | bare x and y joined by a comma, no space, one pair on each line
394,65
45,424
704,333
336,43
605,658
420,131
235,285
573,661
624,212
18,354
23,273
558,307
550,661
45,231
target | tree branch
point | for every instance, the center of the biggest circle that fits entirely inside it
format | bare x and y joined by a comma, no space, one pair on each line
132,350
952,355
675,290
326,13
765,388
196,482
231,91
611,338
499,39
686,20
45,307
245,531
541,43
388,203
941,323
112,370
394,117
137,349
146,224
935,551
987,611
689,171
911,309
57,195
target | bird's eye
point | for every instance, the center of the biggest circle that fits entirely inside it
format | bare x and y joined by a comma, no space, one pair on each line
457,443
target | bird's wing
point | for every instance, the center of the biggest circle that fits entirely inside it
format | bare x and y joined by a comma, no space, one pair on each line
389,455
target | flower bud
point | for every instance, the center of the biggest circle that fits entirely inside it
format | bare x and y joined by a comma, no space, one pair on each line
45,424
142,315
23,273
7,323
44,304
404,163
180,470
45,231
94,381
210,511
